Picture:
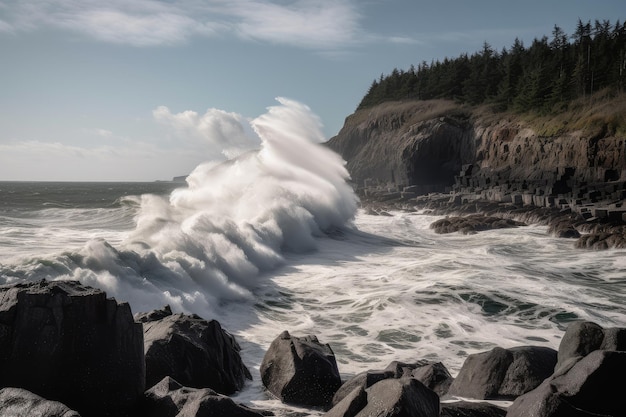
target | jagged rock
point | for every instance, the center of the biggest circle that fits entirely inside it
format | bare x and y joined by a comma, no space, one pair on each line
472,224
168,398
471,409
434,375
300,370
401,143
603,240
387,398
503,373
69,343
18,402
584,388
196,352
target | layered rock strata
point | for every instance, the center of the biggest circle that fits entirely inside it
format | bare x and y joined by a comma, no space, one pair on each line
399,151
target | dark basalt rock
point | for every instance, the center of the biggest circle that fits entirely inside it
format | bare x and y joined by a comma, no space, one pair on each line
584,388
472,224
168,398
583,337
503,373
300,370
434,375
16,402
69,343
580,339
196,352
471,409
387,398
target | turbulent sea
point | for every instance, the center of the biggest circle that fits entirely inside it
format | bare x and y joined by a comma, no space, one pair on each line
275,240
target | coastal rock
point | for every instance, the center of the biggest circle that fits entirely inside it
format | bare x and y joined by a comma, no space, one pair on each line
580,339
472,224
583,337
300,370
194,351
430,142
604,239
471,409
503,373
434,375
387,398
69,343
588,387
406,144
168,398
20,402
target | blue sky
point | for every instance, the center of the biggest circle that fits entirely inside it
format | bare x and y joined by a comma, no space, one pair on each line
146,89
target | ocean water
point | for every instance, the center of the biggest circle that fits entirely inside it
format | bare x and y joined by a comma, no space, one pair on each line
276,240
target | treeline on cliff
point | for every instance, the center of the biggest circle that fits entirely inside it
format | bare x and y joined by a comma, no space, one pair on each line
541,77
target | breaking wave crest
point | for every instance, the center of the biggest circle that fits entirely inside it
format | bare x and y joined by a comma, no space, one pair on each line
209,242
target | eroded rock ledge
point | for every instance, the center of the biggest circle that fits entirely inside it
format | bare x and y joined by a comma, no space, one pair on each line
475,161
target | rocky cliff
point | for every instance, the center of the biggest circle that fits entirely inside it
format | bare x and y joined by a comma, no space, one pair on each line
425,146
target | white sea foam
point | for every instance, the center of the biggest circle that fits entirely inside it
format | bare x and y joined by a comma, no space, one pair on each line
269,242
208,242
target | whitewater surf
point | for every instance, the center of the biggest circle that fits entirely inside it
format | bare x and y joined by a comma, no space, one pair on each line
274,240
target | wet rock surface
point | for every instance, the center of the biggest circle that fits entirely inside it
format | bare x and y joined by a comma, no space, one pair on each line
70,343
194,351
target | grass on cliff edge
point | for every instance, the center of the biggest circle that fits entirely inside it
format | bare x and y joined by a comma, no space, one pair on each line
601,114
410,111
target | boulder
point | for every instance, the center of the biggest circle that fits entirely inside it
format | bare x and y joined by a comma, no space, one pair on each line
580,339
70,343
196,352
168,398
300,370
503,373
434,375
20,402
588,387
471,409
389,397
472,224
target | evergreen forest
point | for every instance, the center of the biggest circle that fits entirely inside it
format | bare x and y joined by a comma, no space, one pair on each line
543,77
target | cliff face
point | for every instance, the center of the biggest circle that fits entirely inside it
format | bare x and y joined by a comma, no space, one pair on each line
427,144
402,144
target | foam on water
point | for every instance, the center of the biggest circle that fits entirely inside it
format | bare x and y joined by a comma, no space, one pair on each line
208,242
273,241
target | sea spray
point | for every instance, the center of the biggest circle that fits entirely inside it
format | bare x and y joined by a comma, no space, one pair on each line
208,242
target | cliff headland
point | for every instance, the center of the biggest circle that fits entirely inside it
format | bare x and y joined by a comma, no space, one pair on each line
566,169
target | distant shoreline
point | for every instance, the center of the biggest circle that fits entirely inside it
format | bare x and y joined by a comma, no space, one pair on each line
587,233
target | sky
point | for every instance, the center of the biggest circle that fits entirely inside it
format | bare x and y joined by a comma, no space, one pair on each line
144,90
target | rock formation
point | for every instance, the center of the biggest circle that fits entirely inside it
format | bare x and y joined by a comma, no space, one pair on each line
196,352
400,150
20,402
429,143
70,343
433,375
168,398
503,373
300,370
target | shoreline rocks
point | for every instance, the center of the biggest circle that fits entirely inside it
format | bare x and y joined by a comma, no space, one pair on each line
477,214
44,322
70,343
300,370
197,353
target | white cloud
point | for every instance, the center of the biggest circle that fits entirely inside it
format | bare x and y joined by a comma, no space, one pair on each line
228,133
325,24
317,24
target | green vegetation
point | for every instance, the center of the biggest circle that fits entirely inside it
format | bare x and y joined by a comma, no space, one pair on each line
544,78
